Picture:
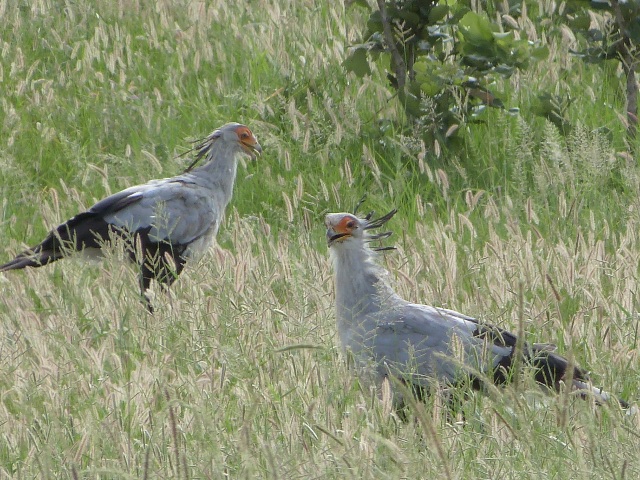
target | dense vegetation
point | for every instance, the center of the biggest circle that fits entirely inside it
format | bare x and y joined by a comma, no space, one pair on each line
530,222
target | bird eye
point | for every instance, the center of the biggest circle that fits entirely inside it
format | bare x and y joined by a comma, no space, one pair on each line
351,224
244,134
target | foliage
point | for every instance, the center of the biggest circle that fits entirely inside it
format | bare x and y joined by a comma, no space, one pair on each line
441,58
612,29
598,32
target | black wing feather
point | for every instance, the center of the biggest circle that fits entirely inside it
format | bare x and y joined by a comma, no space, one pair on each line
550,368
85,230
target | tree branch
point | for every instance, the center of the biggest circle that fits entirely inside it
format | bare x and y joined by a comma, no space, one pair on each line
629,66
400,67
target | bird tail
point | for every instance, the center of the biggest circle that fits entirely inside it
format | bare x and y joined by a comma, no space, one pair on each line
29,259
554,369
587,390
73,235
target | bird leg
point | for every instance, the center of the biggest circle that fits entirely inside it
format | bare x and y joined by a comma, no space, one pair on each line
164,265
453,399
145,283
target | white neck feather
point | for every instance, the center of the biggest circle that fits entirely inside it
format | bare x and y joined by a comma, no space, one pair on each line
220,170
360,284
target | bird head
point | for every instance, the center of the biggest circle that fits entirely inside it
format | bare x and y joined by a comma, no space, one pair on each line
234,134
245,138
346,227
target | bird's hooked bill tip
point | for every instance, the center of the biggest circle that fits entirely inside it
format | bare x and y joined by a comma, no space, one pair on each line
254,151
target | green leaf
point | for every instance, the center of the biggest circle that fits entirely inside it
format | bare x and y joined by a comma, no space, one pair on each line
438,13
421,67
412,19
459,12
580,22
361,3
430,88
476,29
540,53
633,30
504,70
504,37
374,23
481,62
357,63
412,105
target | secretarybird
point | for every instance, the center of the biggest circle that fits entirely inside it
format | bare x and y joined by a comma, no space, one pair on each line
163,222
419,345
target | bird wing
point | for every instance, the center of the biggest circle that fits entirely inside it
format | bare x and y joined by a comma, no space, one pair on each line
432,342
428,341
174,210
79,232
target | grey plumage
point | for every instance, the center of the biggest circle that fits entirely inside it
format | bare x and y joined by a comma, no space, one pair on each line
164,221
421,344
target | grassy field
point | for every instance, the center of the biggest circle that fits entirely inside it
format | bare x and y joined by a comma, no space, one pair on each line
239,374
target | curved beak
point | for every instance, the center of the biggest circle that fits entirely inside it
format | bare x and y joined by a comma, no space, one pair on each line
252,149
332,236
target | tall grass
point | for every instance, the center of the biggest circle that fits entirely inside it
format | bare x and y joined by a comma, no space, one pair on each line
238,372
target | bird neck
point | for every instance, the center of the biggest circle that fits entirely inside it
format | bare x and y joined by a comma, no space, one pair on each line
220,170
360,284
